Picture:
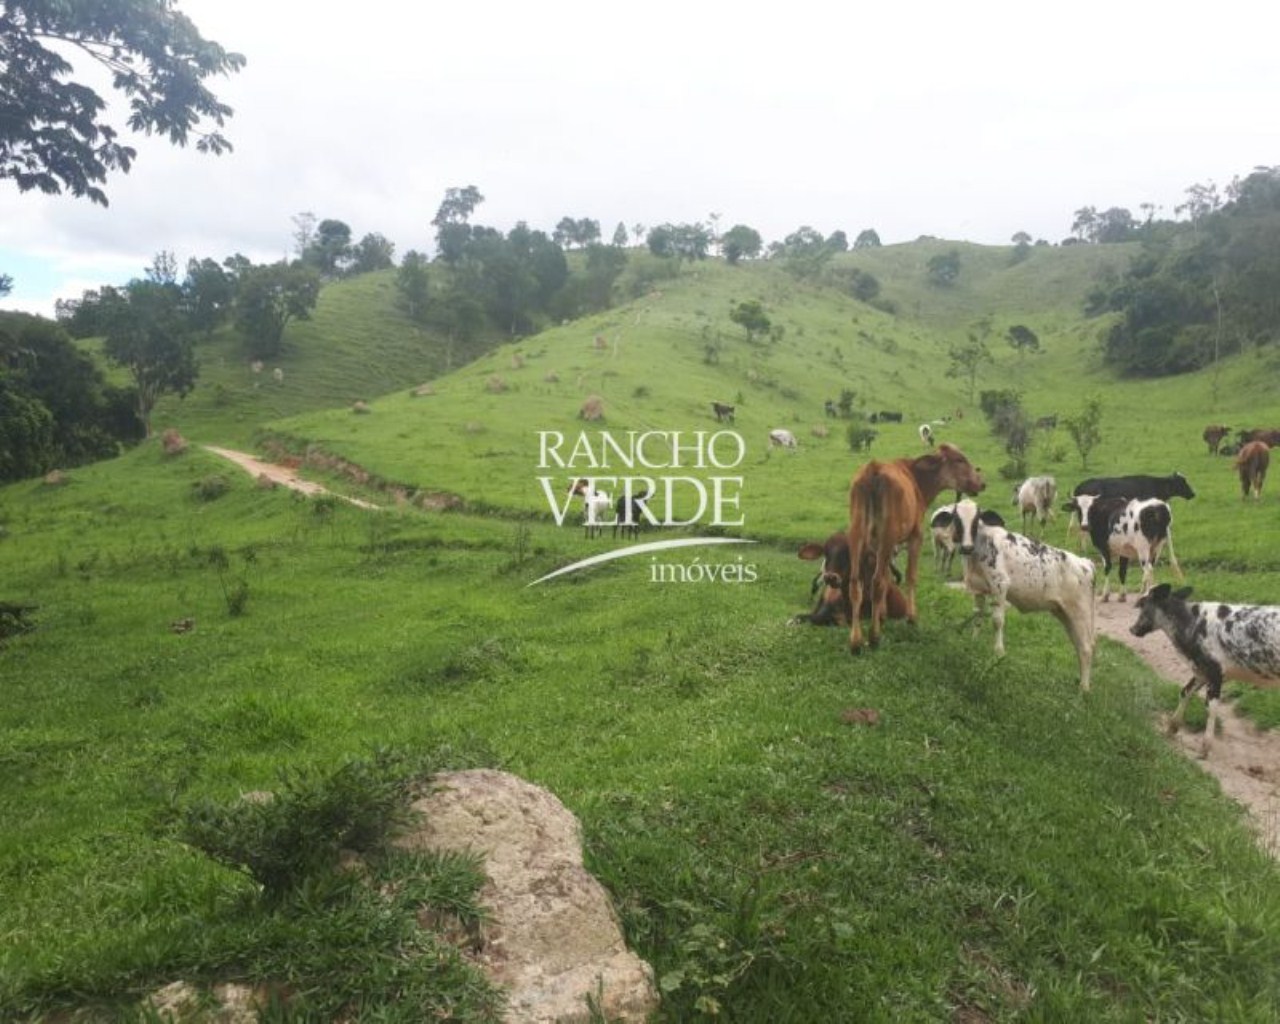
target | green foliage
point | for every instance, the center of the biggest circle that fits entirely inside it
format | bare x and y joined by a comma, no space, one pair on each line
967,361
268,297
681,242
944,268
860,436
867,238
211,487
296,835
1085,428
148,336
741,242
751,317
54,135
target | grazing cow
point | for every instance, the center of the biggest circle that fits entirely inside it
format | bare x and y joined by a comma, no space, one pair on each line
887,503
595,505
1047,422
1213,435
722,411
926,434
1035,497
1252,464
1136,486
780,438
1128,530
832,586
1271,437
944,548
1015,570
886,417
630,512
829,407
1222,641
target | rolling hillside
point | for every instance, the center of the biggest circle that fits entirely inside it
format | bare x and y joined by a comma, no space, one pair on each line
990,844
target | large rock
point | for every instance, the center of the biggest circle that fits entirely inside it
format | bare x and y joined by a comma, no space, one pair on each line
554,939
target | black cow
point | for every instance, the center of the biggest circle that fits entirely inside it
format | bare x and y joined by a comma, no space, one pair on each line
829,407
1138,486
722,411
886,417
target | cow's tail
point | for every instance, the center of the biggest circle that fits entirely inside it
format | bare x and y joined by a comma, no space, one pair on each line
1164,523
1173,559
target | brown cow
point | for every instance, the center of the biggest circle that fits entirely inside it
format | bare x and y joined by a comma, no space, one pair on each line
1271,437
832,585
1252,464
887,503
1213,436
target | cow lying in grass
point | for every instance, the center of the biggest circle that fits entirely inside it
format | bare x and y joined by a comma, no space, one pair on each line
1033,577
832,585
1222,641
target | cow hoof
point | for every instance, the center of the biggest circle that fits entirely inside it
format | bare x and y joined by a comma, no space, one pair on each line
1123,597
855,651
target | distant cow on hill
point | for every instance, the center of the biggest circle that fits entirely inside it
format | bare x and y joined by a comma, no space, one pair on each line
722,411
1214,436
1252,464
886,417
781,438
1271,437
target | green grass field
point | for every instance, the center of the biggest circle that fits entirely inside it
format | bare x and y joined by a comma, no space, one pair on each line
997,846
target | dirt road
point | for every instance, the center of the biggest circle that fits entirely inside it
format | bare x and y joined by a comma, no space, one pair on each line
282,475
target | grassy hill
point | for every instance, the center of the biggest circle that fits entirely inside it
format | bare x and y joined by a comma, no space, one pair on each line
997,847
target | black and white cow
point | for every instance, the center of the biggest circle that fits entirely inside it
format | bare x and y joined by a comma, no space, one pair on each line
1137,485
1222,641
1015,570
1127,531
1035,497
944,545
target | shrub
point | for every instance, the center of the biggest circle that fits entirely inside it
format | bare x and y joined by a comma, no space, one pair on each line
211,487
172,442
298,834
859,437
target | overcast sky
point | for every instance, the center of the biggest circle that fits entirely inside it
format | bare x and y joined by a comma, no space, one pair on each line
963,121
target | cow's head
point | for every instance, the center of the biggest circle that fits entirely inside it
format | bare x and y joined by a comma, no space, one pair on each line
965,522
1159,601
1180,488
956,472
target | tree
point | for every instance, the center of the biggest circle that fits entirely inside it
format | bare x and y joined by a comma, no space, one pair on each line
1084,226
54,132
867,239
683,241
147,335
581,233
413,285
838,241
330,249
740,242
304,232
6,285
267,298
967,361
450,221
620,238
1023,339
1021,246
208,292
944,268
1085,428
751,317
372,252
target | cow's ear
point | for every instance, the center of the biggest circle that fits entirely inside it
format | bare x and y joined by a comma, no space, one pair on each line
1160,593
1182,594
944,519
991,517
811,552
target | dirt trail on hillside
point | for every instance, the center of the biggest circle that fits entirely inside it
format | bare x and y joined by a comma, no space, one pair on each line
282,475
1244,759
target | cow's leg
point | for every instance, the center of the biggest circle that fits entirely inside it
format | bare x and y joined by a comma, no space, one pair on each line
998,606
1179,713
1148,573
855,600
913,565
1079,627
1124,578
1106,577
1212,695
879,599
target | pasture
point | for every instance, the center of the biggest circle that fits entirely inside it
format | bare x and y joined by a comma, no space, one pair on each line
994,845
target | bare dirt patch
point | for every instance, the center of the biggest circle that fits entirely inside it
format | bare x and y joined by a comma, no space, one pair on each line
1244,759
286,476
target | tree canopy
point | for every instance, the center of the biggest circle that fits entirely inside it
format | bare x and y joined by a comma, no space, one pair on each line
54,133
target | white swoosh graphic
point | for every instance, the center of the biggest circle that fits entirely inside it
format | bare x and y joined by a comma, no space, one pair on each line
641,549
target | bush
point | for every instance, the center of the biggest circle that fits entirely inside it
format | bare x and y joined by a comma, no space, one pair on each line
859,437
212,487
297,834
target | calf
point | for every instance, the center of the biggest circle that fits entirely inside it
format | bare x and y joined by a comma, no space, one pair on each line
1035,497
630,512
1214,435
780,438
944,548
829,407
832,585
926,434
1252,464
1222,641
1013,569
722,411
1126,530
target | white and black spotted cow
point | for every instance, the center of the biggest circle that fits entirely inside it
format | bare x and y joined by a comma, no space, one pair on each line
1033,577
1126,530
944,545
1222,641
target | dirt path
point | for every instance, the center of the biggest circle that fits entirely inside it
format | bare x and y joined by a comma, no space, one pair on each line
1244,759
282,475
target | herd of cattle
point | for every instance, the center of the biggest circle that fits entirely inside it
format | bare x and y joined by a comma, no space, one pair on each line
1127,519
